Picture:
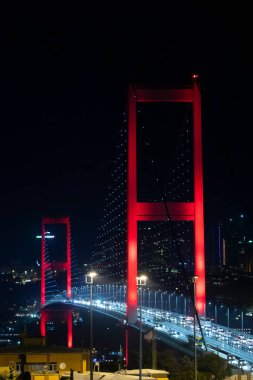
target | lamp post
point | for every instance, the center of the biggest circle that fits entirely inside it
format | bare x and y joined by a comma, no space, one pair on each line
141,281
194,279
89,280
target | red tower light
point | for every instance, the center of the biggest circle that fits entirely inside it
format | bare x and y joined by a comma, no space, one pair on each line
62,265
140,211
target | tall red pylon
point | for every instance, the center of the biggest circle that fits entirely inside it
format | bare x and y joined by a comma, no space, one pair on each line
56,265
178,211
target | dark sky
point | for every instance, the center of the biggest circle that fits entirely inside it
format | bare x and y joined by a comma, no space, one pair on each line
63,87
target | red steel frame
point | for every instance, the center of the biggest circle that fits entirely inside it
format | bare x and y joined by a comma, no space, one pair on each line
178,211
63,265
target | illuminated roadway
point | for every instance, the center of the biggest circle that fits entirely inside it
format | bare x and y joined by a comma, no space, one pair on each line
173,328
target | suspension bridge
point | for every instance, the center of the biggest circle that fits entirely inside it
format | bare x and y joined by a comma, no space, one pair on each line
157,213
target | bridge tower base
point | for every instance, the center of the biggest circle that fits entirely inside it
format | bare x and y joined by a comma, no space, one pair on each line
57,314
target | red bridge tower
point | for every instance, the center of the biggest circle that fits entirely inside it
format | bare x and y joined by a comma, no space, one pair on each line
63,265
179,211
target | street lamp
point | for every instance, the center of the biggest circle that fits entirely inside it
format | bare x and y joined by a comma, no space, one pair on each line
141,281
89,280
194,279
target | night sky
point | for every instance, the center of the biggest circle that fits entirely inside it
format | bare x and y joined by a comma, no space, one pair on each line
63,89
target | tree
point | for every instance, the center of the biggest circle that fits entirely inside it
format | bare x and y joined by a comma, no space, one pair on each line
167,360
212,364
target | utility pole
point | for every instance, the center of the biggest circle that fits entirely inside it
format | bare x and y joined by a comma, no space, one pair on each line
194,279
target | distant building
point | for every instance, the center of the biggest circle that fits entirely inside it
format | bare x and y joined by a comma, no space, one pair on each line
246,258
232,244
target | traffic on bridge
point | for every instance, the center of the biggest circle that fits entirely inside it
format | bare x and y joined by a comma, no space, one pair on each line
173,328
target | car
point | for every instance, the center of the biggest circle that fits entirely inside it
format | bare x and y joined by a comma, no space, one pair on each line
233,362
243,363
246,367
